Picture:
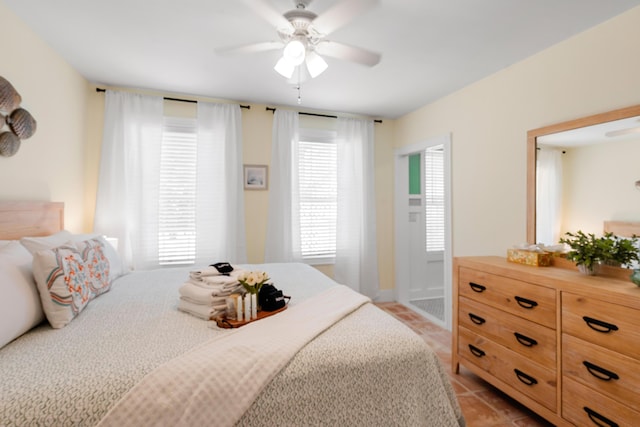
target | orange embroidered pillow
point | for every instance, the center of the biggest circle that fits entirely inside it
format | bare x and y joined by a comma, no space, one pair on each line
68,277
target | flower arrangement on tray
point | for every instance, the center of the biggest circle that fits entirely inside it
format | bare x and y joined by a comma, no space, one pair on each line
252,281
243,309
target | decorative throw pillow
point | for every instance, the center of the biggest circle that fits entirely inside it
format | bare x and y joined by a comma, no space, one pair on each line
115,263
68,278
35,244
97,264
20,308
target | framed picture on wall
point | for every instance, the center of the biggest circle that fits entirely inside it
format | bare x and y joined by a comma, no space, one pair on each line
256,177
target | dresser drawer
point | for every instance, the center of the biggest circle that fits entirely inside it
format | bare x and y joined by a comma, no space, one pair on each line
530,339
605,371
523,299
531,379
585,407
609,325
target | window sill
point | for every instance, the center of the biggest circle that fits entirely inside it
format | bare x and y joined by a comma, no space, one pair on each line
325,260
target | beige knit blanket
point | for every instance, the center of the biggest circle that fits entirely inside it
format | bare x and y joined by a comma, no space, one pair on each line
215,383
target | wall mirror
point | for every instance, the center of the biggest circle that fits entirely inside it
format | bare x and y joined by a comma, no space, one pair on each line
581,173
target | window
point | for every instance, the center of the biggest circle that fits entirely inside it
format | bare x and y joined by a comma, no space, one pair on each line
434,198
318,198
177,202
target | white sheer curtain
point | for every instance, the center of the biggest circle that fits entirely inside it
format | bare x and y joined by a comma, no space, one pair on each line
127,198
548,195
220,193
356,253
283,224
127,205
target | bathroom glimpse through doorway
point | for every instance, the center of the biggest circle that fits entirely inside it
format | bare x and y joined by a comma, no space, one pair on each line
423,254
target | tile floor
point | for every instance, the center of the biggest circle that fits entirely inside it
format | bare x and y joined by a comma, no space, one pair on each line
482,404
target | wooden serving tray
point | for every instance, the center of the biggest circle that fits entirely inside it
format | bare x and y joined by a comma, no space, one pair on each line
225,323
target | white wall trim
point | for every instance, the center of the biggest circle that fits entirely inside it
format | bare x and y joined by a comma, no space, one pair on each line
401,255
386,295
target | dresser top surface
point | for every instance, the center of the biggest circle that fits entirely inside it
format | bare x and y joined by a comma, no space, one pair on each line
616,290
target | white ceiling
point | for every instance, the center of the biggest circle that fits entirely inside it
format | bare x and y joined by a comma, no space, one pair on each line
429,48
615,131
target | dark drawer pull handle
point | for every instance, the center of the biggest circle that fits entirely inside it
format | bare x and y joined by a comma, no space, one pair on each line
599,419
524,378
599,325
525,303
600,372
476,319
525,340
477,288
476,351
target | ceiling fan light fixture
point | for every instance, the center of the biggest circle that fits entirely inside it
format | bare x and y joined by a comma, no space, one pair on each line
284,67
295,52
620,132
315,64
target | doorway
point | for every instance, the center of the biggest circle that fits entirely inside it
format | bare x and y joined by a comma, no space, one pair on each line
423,228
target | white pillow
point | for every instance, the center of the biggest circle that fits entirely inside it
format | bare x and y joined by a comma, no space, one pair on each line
68,277
20,308
35,244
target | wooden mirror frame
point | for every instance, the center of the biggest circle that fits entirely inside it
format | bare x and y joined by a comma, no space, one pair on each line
532,136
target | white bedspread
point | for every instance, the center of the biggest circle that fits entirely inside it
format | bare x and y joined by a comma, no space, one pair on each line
368,369
232,369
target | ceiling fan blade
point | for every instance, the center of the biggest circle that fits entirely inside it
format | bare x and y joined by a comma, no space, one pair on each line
249,48
271,15
340,14
349,53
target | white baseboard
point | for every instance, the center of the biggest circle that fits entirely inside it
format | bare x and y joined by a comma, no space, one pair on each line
386,295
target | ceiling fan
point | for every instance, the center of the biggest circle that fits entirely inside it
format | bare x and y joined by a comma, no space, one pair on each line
303,35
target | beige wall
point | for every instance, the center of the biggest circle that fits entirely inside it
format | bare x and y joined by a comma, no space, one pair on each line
593,72
590,73
256,132
49,165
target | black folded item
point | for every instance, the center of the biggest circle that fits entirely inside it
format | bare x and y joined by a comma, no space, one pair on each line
271,299
222,267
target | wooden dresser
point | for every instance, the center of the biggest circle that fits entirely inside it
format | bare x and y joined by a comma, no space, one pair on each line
564,344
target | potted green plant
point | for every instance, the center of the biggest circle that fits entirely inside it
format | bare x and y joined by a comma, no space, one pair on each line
619,251
587,250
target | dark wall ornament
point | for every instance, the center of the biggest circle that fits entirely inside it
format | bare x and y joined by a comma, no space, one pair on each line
21,123
9,144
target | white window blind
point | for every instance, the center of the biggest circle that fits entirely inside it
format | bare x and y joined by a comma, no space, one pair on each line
434,198
177,205
317,170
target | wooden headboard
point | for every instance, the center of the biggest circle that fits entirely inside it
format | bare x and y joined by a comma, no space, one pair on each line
622,229
21,219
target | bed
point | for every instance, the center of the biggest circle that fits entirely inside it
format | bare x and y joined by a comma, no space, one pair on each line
131,358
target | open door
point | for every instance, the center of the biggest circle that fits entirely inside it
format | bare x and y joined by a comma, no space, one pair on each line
423,253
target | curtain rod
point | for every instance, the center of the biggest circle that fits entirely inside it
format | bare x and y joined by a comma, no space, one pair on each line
248,107
272,109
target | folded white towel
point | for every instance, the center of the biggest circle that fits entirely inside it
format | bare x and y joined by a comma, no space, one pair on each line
203,311
207,271
198,294
220,280
218,289
212,271
214,301
201,294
